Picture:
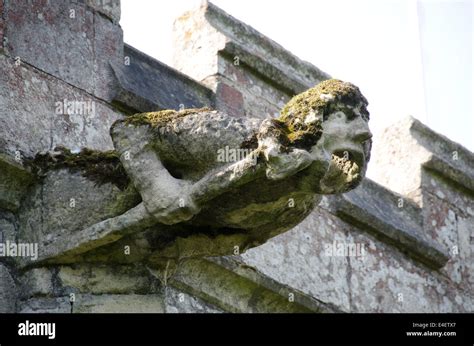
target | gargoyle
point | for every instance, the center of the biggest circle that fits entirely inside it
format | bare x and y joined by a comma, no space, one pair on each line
200,202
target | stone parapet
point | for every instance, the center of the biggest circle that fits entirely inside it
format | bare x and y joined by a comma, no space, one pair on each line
144,84
250,73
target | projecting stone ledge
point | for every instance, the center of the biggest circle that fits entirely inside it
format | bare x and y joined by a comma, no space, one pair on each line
144,84
232,290
389,217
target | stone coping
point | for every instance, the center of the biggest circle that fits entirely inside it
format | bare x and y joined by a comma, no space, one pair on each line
390,218
145,84
447,157
261,54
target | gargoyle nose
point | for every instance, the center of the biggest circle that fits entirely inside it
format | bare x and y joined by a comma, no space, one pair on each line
361,131
362,136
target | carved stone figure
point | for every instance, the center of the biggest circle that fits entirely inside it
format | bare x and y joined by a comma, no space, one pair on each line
211,183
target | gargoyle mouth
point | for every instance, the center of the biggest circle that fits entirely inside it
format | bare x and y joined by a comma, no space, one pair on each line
345,171
351,156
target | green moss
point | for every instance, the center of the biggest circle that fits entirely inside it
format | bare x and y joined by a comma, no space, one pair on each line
161,118
318,102
99,166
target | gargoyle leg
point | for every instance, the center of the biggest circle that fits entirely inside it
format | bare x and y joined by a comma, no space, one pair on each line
138,219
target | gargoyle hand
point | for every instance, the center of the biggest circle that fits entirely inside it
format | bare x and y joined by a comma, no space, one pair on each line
181,207
281,161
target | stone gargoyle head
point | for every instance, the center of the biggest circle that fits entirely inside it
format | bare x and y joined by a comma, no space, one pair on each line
204,183
331,122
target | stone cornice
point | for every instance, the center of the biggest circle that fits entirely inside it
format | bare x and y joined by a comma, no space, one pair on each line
146,84
390,218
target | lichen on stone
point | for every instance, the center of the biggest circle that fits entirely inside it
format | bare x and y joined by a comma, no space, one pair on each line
161,118
303,115
101,167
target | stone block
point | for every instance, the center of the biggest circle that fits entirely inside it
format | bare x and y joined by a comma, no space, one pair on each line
466,250
88,303
8,291
37,282
8,229
63,204
103,279
45,306
298,259
229,99
40,112
14,182
71,41
180,302
2,24
119,303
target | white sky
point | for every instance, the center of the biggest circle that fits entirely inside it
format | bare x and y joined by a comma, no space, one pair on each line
408,57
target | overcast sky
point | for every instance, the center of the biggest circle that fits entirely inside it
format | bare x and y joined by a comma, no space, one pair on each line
408,57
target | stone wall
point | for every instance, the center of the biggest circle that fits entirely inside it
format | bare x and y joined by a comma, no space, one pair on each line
413,225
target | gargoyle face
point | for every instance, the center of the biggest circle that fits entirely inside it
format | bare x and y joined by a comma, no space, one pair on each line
346,141
331,121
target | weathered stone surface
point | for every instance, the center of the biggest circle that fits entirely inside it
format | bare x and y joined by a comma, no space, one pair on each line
8,291
145,84
236,265
240,91
370,281
2,26
14,182
102,279
8,229
298,259
33,115
110,8
386,281
250,74
407,147
72,42
466,250
65,203
438,175
390,217
37,282
87,303
209,30
227,290
179,302
88,279
119,303
45,305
